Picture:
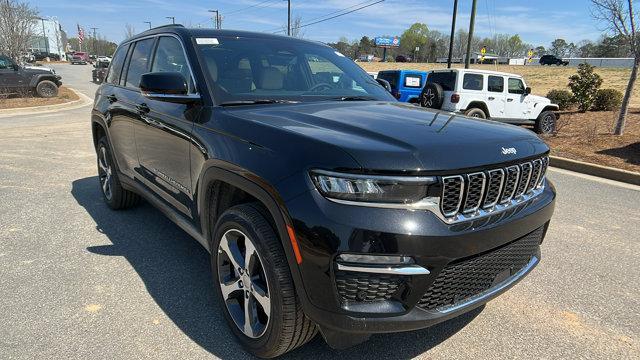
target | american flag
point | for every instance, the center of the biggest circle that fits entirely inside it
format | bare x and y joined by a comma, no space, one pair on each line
80,36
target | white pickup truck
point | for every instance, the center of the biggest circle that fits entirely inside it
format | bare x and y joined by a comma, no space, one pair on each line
489,95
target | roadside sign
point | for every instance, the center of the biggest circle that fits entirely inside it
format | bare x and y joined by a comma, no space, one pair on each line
530,55
387,41
482,52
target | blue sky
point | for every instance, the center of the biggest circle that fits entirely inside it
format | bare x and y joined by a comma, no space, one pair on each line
537,21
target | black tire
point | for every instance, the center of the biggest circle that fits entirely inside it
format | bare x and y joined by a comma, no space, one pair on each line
546,123
476,113
116,197
287,327
432,96
47,89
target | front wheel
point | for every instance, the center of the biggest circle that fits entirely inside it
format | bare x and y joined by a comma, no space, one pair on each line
546,123
47,89
254,285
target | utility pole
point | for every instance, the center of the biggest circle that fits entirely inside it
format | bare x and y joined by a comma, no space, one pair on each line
149,23
95,51
173,19
217,19
453,32
472,23
288,17
46,39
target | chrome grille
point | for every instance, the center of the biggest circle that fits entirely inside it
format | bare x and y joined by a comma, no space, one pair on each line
470,195
525,176
452,189
495,182
475,190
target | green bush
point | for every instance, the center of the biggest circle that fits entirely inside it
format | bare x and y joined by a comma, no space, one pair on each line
585,85
607,100
563,98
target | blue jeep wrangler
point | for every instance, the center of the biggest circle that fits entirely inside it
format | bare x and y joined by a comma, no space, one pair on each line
406,85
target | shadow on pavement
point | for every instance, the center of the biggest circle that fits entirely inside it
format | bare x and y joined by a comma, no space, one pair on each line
175,270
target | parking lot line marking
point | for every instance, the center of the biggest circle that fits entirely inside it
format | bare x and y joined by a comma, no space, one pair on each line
595,178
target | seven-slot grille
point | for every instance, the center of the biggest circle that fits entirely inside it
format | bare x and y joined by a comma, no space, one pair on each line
467,193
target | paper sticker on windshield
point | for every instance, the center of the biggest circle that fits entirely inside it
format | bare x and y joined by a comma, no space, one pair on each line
207,41
339,54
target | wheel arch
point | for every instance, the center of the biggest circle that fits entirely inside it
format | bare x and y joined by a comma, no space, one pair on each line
480,105
35,79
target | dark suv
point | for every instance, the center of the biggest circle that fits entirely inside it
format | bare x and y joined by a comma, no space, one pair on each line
326,205
553,60
15,79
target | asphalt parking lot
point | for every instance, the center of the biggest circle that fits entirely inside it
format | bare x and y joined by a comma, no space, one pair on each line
80,281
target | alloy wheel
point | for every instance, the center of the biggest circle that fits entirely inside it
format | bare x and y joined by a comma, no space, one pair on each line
47,90
547,124
104,172
243,283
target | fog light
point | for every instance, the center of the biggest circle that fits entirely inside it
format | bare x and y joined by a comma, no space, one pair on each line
376,259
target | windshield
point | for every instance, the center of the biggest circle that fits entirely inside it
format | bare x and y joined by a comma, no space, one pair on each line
249,69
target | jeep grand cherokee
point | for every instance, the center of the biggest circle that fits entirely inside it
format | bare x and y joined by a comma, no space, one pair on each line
326,205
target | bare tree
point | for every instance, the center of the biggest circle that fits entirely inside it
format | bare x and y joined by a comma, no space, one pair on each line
296,27
129,30
17,24
619,19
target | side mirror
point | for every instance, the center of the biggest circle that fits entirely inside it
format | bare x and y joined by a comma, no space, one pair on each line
166,86
527,90
385,84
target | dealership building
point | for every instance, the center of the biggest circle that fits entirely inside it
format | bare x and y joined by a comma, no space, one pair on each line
49,37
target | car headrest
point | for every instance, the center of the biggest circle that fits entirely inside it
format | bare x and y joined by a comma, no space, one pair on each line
272,79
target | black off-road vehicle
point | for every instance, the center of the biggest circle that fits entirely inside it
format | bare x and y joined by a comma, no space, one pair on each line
15,79
553,60
325,204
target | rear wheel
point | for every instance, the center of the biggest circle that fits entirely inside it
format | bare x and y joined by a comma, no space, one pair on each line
476,113
546,123
114,195
254,284
47,89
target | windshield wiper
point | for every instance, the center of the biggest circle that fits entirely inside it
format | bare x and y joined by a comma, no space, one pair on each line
256,102
354,98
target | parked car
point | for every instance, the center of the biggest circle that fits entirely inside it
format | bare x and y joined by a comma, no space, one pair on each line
406,85
104,58
99,71
17,80
80,58
42,55
552,60
325,204
489,95
403,58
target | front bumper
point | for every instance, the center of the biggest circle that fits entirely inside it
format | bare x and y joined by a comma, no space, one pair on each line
325,229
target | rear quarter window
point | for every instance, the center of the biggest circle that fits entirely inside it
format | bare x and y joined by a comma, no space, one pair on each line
445,79
391,77
115,69
472,81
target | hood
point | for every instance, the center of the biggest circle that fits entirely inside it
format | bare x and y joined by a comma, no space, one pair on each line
538,99
44,69
383,136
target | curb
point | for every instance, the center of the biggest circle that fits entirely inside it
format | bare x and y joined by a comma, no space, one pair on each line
629,177
83,100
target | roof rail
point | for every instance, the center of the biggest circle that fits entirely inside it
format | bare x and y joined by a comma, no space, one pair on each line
165,26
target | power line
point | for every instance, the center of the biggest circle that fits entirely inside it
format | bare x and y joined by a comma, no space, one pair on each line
251,7
324,18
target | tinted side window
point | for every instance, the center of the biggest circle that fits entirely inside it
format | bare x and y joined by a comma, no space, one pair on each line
170,57
496,84
445,79
113,77
472,82
139,62
391,77
516,86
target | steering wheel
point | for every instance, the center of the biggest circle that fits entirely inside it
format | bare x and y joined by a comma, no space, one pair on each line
323,86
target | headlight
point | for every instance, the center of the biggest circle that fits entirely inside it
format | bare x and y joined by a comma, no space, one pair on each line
371,188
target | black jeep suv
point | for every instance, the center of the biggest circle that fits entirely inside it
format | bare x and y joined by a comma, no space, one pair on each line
15,79
552,60
326,205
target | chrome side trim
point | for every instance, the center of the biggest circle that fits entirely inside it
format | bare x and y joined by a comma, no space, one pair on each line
151,95
403,270
481,297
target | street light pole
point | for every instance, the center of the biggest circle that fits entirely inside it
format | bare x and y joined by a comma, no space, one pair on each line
217,19
472,22
288,17
453,32
173,19
149,23
95,50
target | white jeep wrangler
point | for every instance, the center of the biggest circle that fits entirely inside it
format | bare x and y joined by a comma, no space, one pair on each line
488,95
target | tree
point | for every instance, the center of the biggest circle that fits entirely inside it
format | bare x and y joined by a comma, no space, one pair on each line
540,50
129,30
17,23
296,29
620,19
415,36
584,85
559,47
586,48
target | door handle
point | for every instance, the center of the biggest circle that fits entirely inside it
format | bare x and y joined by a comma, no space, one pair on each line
509,100
112,98
491,98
